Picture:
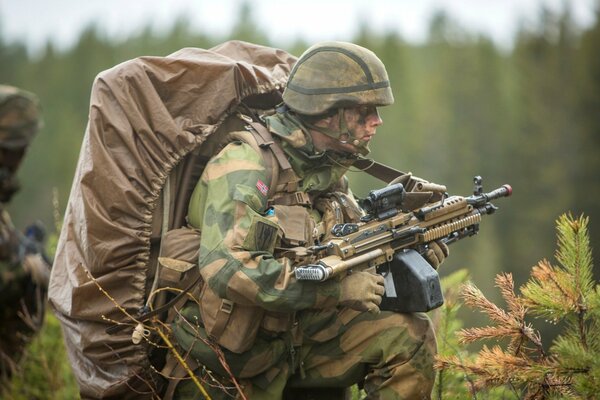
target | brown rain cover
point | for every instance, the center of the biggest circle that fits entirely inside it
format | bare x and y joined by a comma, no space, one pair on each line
145,116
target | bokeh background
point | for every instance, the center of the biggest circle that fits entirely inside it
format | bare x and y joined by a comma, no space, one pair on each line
509,90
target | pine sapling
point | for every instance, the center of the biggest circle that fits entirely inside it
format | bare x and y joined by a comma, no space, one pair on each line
566,293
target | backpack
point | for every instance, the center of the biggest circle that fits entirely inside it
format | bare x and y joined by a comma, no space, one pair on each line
151,123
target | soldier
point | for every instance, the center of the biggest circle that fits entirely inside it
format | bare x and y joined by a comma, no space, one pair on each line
24,272
272,330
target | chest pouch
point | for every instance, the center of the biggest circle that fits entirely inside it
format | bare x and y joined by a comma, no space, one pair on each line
297,226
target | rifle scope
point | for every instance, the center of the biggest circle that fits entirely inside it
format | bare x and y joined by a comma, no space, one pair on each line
380,200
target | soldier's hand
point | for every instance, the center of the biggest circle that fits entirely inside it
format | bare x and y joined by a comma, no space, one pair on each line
436,253
362,291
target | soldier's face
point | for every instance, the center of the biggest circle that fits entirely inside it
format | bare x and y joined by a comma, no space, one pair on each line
362,123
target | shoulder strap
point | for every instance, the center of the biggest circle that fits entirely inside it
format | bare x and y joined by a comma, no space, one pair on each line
378,170
272,151
265,139
265,150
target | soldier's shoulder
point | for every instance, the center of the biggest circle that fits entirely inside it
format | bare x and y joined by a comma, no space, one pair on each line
237,149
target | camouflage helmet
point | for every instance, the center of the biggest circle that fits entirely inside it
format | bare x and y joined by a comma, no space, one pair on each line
337,74
19,117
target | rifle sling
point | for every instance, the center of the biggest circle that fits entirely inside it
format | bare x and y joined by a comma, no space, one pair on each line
372,167
377,169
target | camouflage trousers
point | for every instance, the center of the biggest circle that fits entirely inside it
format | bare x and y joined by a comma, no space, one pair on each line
389,354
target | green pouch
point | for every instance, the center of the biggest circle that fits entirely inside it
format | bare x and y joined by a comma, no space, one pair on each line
263,356
262,235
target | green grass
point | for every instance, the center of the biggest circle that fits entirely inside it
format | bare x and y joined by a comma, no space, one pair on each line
45,372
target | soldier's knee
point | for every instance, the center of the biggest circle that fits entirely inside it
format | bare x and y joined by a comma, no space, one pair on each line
416,328
418,325
422,325
422,328
393,335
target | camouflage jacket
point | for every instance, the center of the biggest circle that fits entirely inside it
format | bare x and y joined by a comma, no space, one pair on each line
240,232
23,282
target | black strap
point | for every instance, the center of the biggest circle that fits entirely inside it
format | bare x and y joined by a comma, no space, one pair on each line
145,317
378,170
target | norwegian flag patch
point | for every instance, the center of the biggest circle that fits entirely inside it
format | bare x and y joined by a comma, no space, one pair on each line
262,187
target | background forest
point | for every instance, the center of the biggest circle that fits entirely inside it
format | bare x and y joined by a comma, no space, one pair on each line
528,116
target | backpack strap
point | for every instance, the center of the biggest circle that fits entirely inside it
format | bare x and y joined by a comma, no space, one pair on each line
265,140
275,158
271,152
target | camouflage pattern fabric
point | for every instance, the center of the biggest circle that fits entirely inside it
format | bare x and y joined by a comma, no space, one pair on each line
228,202
390,353
23,271
19,122
329,75
19,117
23,282
324,346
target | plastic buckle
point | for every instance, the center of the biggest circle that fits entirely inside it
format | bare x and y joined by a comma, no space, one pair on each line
302,198
226,306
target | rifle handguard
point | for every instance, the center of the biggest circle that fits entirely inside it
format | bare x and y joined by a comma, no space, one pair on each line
312,272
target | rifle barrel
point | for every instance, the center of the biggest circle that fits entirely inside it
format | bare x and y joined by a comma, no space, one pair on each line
502,191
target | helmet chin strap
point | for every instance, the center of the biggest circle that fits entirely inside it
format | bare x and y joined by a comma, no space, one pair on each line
343,128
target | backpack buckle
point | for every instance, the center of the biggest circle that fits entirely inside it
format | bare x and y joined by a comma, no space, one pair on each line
226,306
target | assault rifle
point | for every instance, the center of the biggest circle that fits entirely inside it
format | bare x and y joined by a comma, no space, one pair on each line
391,241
